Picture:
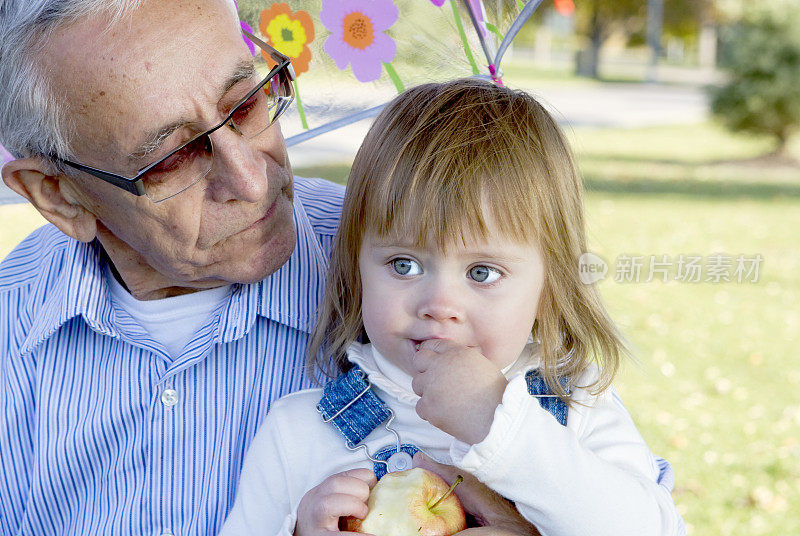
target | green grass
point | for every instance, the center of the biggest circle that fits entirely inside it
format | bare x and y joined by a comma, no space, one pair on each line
714,388
17,222
697,160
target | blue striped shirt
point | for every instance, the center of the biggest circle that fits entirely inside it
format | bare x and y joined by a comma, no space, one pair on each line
88,445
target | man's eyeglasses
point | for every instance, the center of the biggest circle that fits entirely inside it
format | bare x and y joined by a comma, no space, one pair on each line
192,161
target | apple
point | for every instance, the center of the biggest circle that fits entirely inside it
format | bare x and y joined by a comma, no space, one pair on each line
416,502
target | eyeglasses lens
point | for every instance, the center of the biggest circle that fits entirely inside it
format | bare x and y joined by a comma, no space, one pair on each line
192,162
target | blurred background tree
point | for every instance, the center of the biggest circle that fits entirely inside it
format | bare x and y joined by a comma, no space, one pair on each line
597,20
762,95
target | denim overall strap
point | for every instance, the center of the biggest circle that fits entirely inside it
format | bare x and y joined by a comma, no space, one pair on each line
537,386
352,407
349,403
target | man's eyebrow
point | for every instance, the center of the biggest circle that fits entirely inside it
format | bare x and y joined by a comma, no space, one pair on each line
155,138
244,70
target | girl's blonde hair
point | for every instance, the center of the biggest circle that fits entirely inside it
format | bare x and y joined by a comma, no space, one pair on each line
434,158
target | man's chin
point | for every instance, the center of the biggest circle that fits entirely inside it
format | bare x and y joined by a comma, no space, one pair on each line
257,253
271,258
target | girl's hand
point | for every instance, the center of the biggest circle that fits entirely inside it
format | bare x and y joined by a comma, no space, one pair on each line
459,389
339,495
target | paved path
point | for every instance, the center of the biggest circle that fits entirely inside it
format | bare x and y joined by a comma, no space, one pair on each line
593,105
600,105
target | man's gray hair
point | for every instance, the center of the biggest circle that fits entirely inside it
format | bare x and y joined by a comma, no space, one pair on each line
33,118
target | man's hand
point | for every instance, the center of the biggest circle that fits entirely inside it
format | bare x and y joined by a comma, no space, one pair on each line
459,389
497,516
340,495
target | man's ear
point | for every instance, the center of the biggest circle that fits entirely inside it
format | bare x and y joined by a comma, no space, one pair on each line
34,180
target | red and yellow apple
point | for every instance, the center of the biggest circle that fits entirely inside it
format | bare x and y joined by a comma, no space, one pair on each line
409,503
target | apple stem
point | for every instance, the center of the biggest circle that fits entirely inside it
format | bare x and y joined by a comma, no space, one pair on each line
458,481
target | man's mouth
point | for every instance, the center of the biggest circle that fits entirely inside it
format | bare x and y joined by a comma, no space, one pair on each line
265,217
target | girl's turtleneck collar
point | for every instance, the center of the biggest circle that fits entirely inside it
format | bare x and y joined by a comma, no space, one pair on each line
390,378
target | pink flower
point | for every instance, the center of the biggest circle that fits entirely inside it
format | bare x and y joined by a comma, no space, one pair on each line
357,36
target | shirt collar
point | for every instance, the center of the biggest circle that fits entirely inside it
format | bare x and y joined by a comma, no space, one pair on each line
79,289
392,379
289,296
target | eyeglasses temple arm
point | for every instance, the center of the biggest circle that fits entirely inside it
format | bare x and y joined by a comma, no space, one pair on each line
274,53
136,187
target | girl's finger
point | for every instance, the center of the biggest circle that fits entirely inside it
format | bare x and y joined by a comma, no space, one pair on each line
365,475
331,507
437,346
347,484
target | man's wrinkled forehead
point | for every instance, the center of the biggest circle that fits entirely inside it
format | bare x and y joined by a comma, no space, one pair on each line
165,63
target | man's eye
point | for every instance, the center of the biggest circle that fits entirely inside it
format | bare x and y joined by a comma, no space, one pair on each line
484,274
182,158
244,109
406,267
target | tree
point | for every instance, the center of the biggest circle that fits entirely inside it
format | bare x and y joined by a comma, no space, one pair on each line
762,95
597,20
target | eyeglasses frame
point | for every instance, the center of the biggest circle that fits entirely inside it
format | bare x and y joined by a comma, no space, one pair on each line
135,185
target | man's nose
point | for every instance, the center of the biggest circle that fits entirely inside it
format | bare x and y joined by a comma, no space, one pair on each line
442,302
238,173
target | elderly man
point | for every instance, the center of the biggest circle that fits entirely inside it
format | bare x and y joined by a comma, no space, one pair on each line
145,333
143,337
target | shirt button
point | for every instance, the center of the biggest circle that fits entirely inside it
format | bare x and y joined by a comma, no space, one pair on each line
169,397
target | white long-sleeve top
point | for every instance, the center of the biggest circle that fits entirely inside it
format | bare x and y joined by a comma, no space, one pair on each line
595,476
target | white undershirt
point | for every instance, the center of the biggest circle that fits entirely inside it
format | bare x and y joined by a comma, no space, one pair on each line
174,321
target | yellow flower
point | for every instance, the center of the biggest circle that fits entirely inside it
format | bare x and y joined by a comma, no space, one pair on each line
290,33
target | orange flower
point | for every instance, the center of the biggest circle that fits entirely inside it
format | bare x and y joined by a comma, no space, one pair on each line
289,33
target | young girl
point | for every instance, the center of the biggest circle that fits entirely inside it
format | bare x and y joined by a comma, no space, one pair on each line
460,328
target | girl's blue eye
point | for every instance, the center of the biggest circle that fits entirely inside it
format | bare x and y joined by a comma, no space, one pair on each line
484,274
406,267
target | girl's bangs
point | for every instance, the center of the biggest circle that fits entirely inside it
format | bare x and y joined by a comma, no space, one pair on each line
450,196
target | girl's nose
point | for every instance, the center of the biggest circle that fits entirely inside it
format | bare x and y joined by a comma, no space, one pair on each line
440,304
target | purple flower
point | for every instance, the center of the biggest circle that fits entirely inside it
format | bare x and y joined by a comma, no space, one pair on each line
5,156
247,28
477,9
249,43
357,36
480,15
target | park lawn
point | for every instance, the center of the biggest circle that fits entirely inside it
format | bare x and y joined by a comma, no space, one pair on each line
714,389
714,385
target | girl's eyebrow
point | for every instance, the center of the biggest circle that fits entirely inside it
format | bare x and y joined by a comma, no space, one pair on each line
495,256
499,256
392,243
